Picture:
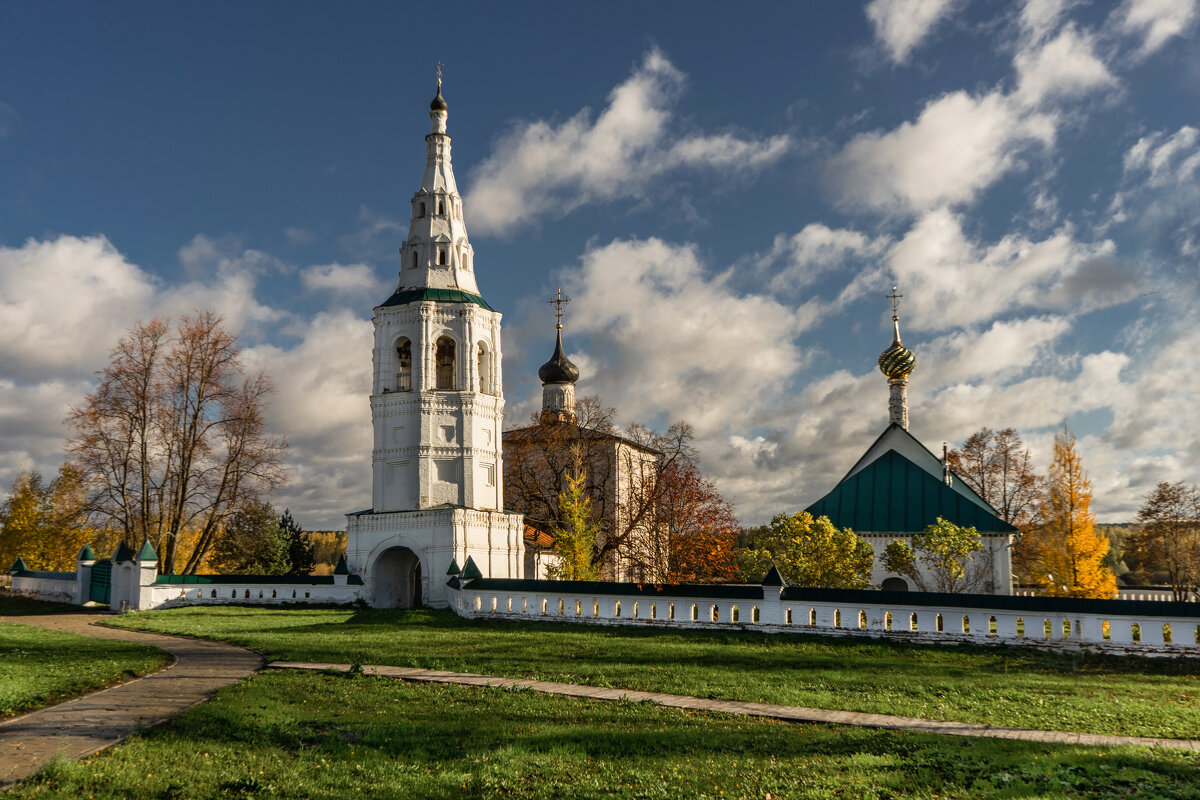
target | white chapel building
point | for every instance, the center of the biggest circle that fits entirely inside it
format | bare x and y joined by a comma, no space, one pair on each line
437,408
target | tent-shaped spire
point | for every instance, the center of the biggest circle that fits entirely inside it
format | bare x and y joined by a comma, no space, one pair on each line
470,570
147,552
773,578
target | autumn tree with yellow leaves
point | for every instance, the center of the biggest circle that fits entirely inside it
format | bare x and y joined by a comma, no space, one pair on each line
1068,550
44,522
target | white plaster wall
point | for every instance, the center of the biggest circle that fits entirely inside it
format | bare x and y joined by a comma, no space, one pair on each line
996,558
493,539
1081,632
52,590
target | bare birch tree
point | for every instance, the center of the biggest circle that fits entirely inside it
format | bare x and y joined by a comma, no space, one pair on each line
173,440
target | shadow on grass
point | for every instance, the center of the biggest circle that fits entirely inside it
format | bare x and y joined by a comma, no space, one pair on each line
15,604
490,742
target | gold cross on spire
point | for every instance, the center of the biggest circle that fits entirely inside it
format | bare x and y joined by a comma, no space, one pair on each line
894,297
558,301
439,74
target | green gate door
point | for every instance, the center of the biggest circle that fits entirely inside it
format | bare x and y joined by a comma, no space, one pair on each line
101,586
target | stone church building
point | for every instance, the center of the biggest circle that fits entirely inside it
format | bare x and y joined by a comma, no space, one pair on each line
619,473
898,488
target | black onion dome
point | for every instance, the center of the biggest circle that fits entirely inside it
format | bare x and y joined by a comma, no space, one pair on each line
559,368
439,102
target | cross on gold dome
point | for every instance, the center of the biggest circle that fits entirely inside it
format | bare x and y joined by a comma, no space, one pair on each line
439,74
894,298
558,301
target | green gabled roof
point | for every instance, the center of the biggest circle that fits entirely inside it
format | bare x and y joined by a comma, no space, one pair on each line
19,566
453,569
342,567
892,494
147,552
406,296
773,578
123,554
86,554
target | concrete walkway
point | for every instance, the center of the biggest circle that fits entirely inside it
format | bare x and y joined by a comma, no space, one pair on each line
80,727
786,713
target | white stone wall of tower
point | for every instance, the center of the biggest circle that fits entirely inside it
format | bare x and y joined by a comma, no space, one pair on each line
437,467
437,253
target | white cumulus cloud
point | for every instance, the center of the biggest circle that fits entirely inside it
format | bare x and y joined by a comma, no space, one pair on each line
957,147
901,25
541,168
342,279
1155,21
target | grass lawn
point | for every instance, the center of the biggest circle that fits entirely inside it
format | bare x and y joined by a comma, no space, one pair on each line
40,667
323,736
991,685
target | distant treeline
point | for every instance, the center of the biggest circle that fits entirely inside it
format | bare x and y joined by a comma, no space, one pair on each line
328,546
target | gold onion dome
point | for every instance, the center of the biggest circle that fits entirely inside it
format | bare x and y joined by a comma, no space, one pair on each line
897,362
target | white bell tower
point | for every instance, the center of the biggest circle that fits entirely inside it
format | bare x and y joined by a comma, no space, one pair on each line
437,407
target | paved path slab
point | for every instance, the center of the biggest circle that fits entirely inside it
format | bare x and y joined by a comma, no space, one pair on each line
80,727
786,713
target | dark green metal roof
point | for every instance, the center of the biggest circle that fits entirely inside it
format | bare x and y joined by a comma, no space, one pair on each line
406,296
453,568
342,568
471,570
147,552
86,554
773,578
123,554
730,591
19,566
998,602
895,495
252,580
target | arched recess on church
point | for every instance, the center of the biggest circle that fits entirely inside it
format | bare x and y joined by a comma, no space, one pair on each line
444,352
894,585
403,364
484,358
397,579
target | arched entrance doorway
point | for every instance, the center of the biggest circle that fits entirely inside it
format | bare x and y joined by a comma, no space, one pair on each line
397,579
894,585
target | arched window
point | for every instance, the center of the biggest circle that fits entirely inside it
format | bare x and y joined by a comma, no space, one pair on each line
441,257
404,366
485,370
444,355
441,207
422,211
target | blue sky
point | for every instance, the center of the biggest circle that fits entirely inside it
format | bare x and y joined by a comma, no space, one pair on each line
727,196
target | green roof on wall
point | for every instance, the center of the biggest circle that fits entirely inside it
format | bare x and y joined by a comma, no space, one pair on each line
892,494
147,552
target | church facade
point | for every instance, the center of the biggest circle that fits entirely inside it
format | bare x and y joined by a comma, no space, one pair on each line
898,488
437,406
620,476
